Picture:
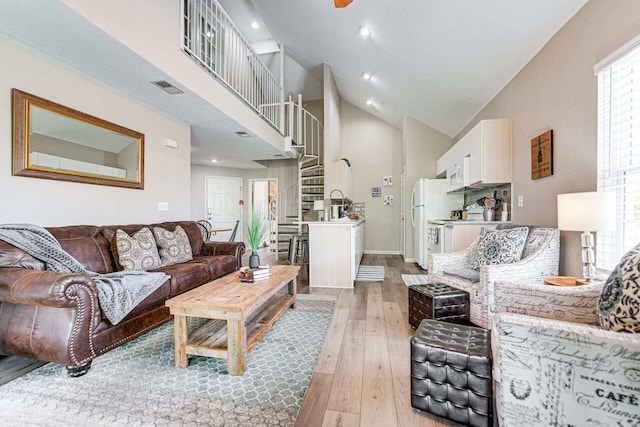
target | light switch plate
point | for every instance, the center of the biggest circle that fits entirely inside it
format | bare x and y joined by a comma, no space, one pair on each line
163,206
520,200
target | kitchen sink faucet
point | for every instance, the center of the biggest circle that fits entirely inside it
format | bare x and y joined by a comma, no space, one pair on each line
331,199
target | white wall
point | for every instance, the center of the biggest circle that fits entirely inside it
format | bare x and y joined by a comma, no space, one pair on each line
51,203
284,170
152,30
374,149
421,147
558,90
332,119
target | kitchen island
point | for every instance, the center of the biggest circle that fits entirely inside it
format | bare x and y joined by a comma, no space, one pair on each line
335,252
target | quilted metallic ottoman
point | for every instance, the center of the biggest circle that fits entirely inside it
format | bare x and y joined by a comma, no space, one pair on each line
451,372
437,301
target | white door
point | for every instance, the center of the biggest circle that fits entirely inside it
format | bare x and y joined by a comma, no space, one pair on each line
223,207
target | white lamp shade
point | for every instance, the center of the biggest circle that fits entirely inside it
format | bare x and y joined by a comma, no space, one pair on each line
590,211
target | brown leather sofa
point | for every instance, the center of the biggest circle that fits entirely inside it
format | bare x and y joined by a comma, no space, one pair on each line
55,317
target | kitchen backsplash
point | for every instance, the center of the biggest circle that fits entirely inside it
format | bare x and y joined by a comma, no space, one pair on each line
502,192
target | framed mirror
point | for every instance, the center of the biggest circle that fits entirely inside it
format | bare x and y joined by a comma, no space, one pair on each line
52,141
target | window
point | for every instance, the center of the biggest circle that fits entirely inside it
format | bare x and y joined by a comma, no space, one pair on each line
619,149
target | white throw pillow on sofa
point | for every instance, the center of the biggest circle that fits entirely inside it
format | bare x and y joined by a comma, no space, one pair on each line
137,252
174,246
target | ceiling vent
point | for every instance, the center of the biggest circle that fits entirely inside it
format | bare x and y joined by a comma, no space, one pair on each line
167,87
243,134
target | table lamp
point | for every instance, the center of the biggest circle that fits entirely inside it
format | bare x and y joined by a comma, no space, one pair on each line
586,212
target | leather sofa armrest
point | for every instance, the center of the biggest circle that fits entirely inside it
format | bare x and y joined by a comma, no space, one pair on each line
48,316
224,248
44,288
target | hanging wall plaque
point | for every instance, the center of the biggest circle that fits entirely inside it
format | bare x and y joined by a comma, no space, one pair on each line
542,155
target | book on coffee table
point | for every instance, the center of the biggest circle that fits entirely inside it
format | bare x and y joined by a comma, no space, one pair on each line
254,274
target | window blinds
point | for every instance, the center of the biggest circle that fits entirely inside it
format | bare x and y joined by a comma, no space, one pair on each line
619,153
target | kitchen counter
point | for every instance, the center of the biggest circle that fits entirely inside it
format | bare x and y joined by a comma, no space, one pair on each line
461,222
467,222
335,252
351,223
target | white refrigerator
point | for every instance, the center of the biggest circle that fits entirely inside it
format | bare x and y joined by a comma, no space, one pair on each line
429,201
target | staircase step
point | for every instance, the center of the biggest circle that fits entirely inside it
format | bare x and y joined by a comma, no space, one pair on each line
312,177
308,157
311,168
311,186
314,193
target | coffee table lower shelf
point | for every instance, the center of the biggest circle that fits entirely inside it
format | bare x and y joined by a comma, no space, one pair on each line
212,339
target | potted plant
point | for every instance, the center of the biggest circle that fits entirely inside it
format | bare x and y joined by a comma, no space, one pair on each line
257,229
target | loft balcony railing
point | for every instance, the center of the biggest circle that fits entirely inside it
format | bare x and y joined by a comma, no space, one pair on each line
216,44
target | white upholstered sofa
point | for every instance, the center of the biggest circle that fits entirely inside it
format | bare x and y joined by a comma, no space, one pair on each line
552,369
540,258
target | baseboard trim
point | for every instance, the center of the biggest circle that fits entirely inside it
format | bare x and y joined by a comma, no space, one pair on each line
373,252
410,260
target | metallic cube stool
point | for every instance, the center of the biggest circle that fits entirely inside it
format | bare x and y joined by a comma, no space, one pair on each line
451,372
437,301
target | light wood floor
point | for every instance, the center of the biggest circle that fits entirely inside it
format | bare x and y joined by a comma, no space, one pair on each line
363,375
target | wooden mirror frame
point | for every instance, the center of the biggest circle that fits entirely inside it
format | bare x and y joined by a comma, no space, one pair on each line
22,166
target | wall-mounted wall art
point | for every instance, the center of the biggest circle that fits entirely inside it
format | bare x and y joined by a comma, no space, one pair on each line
542,155
388,200
376,191
387,181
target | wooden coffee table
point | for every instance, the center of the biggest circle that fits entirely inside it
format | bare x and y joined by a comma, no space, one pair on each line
241,306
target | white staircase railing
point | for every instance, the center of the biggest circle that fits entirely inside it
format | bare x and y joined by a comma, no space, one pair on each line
214,42
305,130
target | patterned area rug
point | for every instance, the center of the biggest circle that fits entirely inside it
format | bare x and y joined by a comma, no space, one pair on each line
370,273
138,384
415,279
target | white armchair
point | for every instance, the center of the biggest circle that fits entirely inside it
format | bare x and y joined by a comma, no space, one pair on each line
556,373
540,259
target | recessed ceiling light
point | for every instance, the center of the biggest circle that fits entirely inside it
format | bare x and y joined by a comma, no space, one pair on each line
243,134
370,102
364,31
366,76
214,160
255,25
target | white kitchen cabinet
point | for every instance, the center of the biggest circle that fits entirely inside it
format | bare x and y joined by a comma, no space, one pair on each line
460,235
481,156
338,176
335,252
489,146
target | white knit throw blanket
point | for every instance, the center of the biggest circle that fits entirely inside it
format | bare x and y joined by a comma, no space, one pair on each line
118,293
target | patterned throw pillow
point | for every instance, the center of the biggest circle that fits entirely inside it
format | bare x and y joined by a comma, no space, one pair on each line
174,246
500,246
137,252
619,302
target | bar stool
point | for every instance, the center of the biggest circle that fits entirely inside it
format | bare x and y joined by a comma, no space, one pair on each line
299,250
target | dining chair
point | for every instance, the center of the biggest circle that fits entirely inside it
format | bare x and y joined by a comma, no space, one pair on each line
205,228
